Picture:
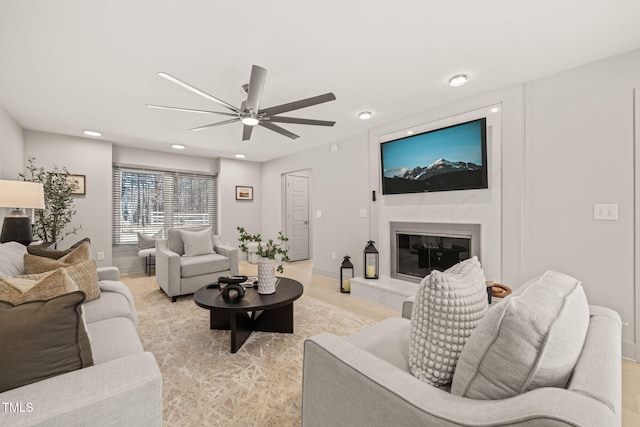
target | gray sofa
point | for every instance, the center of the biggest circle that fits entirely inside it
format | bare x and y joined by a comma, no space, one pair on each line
177,274
122,388
364,379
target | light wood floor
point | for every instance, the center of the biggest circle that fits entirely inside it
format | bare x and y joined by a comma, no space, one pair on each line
327,290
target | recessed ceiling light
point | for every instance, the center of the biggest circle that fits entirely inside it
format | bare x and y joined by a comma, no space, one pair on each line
494,110
92,133
240,156
410,132
178,146
365,115
458,80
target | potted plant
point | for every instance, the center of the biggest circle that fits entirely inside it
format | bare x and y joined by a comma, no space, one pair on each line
50,222
268,252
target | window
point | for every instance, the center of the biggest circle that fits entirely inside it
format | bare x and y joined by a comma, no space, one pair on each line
148,201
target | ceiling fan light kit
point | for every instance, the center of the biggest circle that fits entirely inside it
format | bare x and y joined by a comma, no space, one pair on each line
250,121
250,114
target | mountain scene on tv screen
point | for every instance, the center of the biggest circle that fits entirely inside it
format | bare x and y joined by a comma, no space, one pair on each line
438,176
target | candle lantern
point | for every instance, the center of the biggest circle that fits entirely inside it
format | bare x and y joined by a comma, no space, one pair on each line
371,257
346,274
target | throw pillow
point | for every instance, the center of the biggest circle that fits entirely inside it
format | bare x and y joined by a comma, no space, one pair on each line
148,242
41,339
18,290
447,308
36,264
532,339
11,259
54,253
84,274
197,242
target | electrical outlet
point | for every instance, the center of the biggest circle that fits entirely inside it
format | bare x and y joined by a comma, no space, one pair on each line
605,212
100,256
333,256
363,213
318,214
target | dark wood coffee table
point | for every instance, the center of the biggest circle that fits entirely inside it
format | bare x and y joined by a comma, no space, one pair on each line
254,312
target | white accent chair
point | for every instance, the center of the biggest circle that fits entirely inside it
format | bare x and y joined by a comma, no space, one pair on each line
177,274
364,379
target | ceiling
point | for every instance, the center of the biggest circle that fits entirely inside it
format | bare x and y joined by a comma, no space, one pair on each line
71,65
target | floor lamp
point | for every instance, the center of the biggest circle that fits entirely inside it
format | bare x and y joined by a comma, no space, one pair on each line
19,194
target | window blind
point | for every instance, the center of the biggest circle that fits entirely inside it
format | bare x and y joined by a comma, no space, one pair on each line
148,201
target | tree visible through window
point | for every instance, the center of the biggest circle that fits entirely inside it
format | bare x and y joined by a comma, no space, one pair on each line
148,201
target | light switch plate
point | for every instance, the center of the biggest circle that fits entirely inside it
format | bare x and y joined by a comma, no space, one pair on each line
605,212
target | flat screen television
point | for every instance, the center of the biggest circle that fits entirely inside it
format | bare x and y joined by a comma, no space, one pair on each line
450,158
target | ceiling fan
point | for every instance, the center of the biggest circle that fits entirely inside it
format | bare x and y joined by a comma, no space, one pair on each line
249,112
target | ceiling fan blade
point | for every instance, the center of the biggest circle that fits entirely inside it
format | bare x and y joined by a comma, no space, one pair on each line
190,110
256,85
237,119
276,128
298,121
246,132
197,91
296,105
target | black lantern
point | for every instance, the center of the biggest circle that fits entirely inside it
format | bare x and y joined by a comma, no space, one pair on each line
346,274
371,257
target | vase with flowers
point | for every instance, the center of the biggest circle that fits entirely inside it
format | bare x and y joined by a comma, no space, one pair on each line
271,252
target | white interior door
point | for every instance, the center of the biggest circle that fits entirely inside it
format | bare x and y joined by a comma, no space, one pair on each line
297,216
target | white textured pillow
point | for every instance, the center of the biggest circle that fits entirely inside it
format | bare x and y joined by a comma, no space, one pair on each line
197,242
530,340
447,308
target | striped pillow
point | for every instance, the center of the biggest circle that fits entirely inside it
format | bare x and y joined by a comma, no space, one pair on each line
197,242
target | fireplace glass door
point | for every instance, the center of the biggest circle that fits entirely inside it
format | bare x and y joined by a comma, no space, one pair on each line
418,255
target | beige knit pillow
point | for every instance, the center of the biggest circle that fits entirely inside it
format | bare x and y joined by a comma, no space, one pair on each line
84,274
447,308
34,264
18,290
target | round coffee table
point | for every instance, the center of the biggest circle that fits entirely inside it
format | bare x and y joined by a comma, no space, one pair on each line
269,313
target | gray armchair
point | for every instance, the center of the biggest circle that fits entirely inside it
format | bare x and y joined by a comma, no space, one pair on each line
177,274
364,379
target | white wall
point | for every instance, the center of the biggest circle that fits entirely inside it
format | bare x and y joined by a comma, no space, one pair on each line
243,213
164,161
12,146
580,151
339,189
84,157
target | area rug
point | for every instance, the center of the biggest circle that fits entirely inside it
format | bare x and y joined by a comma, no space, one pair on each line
206,385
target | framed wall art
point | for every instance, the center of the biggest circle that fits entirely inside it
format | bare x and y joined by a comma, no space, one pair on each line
80,182
244,192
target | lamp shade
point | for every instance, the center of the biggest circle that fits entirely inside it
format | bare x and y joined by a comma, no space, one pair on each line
21,194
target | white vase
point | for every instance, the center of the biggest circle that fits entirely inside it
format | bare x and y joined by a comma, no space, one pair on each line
266,276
